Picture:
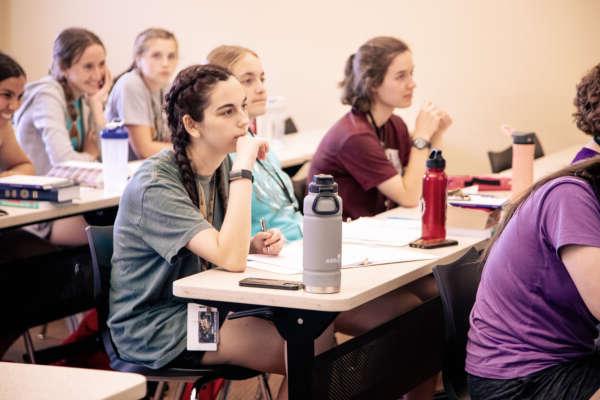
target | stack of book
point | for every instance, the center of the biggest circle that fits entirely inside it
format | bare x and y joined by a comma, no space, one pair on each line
43,188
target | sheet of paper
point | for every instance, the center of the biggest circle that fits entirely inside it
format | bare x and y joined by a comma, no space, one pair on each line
289,261
382,232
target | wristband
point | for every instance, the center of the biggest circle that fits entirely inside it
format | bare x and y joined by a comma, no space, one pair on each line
241,174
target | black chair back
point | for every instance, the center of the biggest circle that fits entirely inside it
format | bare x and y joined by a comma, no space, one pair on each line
457,283
100,239
502,160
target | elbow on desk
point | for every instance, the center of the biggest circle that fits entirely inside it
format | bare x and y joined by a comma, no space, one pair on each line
234,263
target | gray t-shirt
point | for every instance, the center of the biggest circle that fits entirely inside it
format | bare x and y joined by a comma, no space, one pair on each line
131,101
156,220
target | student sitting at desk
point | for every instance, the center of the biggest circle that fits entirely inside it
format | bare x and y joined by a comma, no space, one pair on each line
189,209
273,194
137,98
13,161
62,114
369,151
534,321
587,115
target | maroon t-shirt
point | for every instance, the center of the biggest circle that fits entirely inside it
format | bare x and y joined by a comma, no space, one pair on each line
353,154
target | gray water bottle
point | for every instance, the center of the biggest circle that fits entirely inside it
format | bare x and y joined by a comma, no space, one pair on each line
322,245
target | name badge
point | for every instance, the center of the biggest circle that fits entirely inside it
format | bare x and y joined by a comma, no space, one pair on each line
202,327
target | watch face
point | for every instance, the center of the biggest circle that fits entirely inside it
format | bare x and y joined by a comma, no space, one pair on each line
420,143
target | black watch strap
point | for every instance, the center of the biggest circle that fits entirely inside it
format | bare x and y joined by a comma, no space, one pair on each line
241,174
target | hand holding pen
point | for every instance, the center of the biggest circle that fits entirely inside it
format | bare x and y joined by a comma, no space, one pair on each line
267,241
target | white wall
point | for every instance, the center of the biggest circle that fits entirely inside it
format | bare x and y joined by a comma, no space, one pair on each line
487,62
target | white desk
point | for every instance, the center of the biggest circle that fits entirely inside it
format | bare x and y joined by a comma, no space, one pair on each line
550,162
40,382
297,148
91,199
359,285
300,316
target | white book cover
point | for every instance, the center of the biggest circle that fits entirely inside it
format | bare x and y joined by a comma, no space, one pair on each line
36,182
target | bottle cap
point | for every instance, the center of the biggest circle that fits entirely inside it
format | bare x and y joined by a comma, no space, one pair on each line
322,183
523,138
436,160
114,130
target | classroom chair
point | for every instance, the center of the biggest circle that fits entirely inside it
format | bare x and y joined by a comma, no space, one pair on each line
457,283
101,247
299,182
502,160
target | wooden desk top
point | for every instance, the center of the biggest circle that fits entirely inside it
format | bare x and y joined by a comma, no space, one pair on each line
40,382
359,285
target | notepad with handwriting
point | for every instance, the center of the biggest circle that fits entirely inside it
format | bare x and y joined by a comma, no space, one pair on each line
289,261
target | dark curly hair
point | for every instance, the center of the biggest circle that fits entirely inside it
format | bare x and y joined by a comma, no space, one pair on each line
190,95
365,70
587,102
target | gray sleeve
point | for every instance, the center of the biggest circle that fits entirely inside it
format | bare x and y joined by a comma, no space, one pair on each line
169,219
49,119
132,102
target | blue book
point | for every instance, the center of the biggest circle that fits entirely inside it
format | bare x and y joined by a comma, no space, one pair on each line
43,188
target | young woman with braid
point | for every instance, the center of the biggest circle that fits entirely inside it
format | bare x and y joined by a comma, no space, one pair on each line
534,320
137,97
61,115
188,209
273,194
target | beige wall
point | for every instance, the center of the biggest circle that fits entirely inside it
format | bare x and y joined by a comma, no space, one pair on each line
487,62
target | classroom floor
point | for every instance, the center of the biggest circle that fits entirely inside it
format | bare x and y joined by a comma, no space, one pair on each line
57,331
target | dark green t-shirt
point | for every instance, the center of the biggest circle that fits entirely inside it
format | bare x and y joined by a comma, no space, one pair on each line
156,220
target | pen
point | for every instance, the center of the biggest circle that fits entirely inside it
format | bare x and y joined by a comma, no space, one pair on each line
263,227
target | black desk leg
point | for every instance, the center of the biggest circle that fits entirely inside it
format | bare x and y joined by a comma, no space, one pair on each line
300,328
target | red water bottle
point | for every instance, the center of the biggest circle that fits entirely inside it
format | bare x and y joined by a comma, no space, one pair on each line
435,182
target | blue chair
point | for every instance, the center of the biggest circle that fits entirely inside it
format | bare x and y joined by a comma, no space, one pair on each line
101,247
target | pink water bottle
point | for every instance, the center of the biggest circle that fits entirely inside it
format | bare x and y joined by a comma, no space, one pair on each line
522,161
435,182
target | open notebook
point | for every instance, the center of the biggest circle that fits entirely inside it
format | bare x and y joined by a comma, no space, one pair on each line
381,231
289,261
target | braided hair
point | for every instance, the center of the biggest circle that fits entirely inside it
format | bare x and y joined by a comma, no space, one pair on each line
190,94
68,47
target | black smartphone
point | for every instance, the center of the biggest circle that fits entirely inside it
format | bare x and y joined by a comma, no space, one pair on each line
271,283
422,244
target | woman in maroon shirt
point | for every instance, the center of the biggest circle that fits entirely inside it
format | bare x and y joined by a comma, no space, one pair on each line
372,157
369,151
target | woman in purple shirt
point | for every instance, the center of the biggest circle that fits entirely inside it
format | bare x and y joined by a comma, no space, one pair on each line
587,116
534,321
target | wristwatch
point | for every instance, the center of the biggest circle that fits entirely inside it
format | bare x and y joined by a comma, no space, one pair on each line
421,143
241,174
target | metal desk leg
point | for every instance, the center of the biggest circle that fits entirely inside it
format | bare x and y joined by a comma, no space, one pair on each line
300,328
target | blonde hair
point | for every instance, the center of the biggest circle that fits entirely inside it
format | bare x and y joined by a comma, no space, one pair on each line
140,45
226,55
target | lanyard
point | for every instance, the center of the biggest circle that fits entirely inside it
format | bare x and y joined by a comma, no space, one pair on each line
208,210
273,174
379,131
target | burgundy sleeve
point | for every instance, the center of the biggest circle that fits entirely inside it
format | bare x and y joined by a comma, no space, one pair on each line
363,157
